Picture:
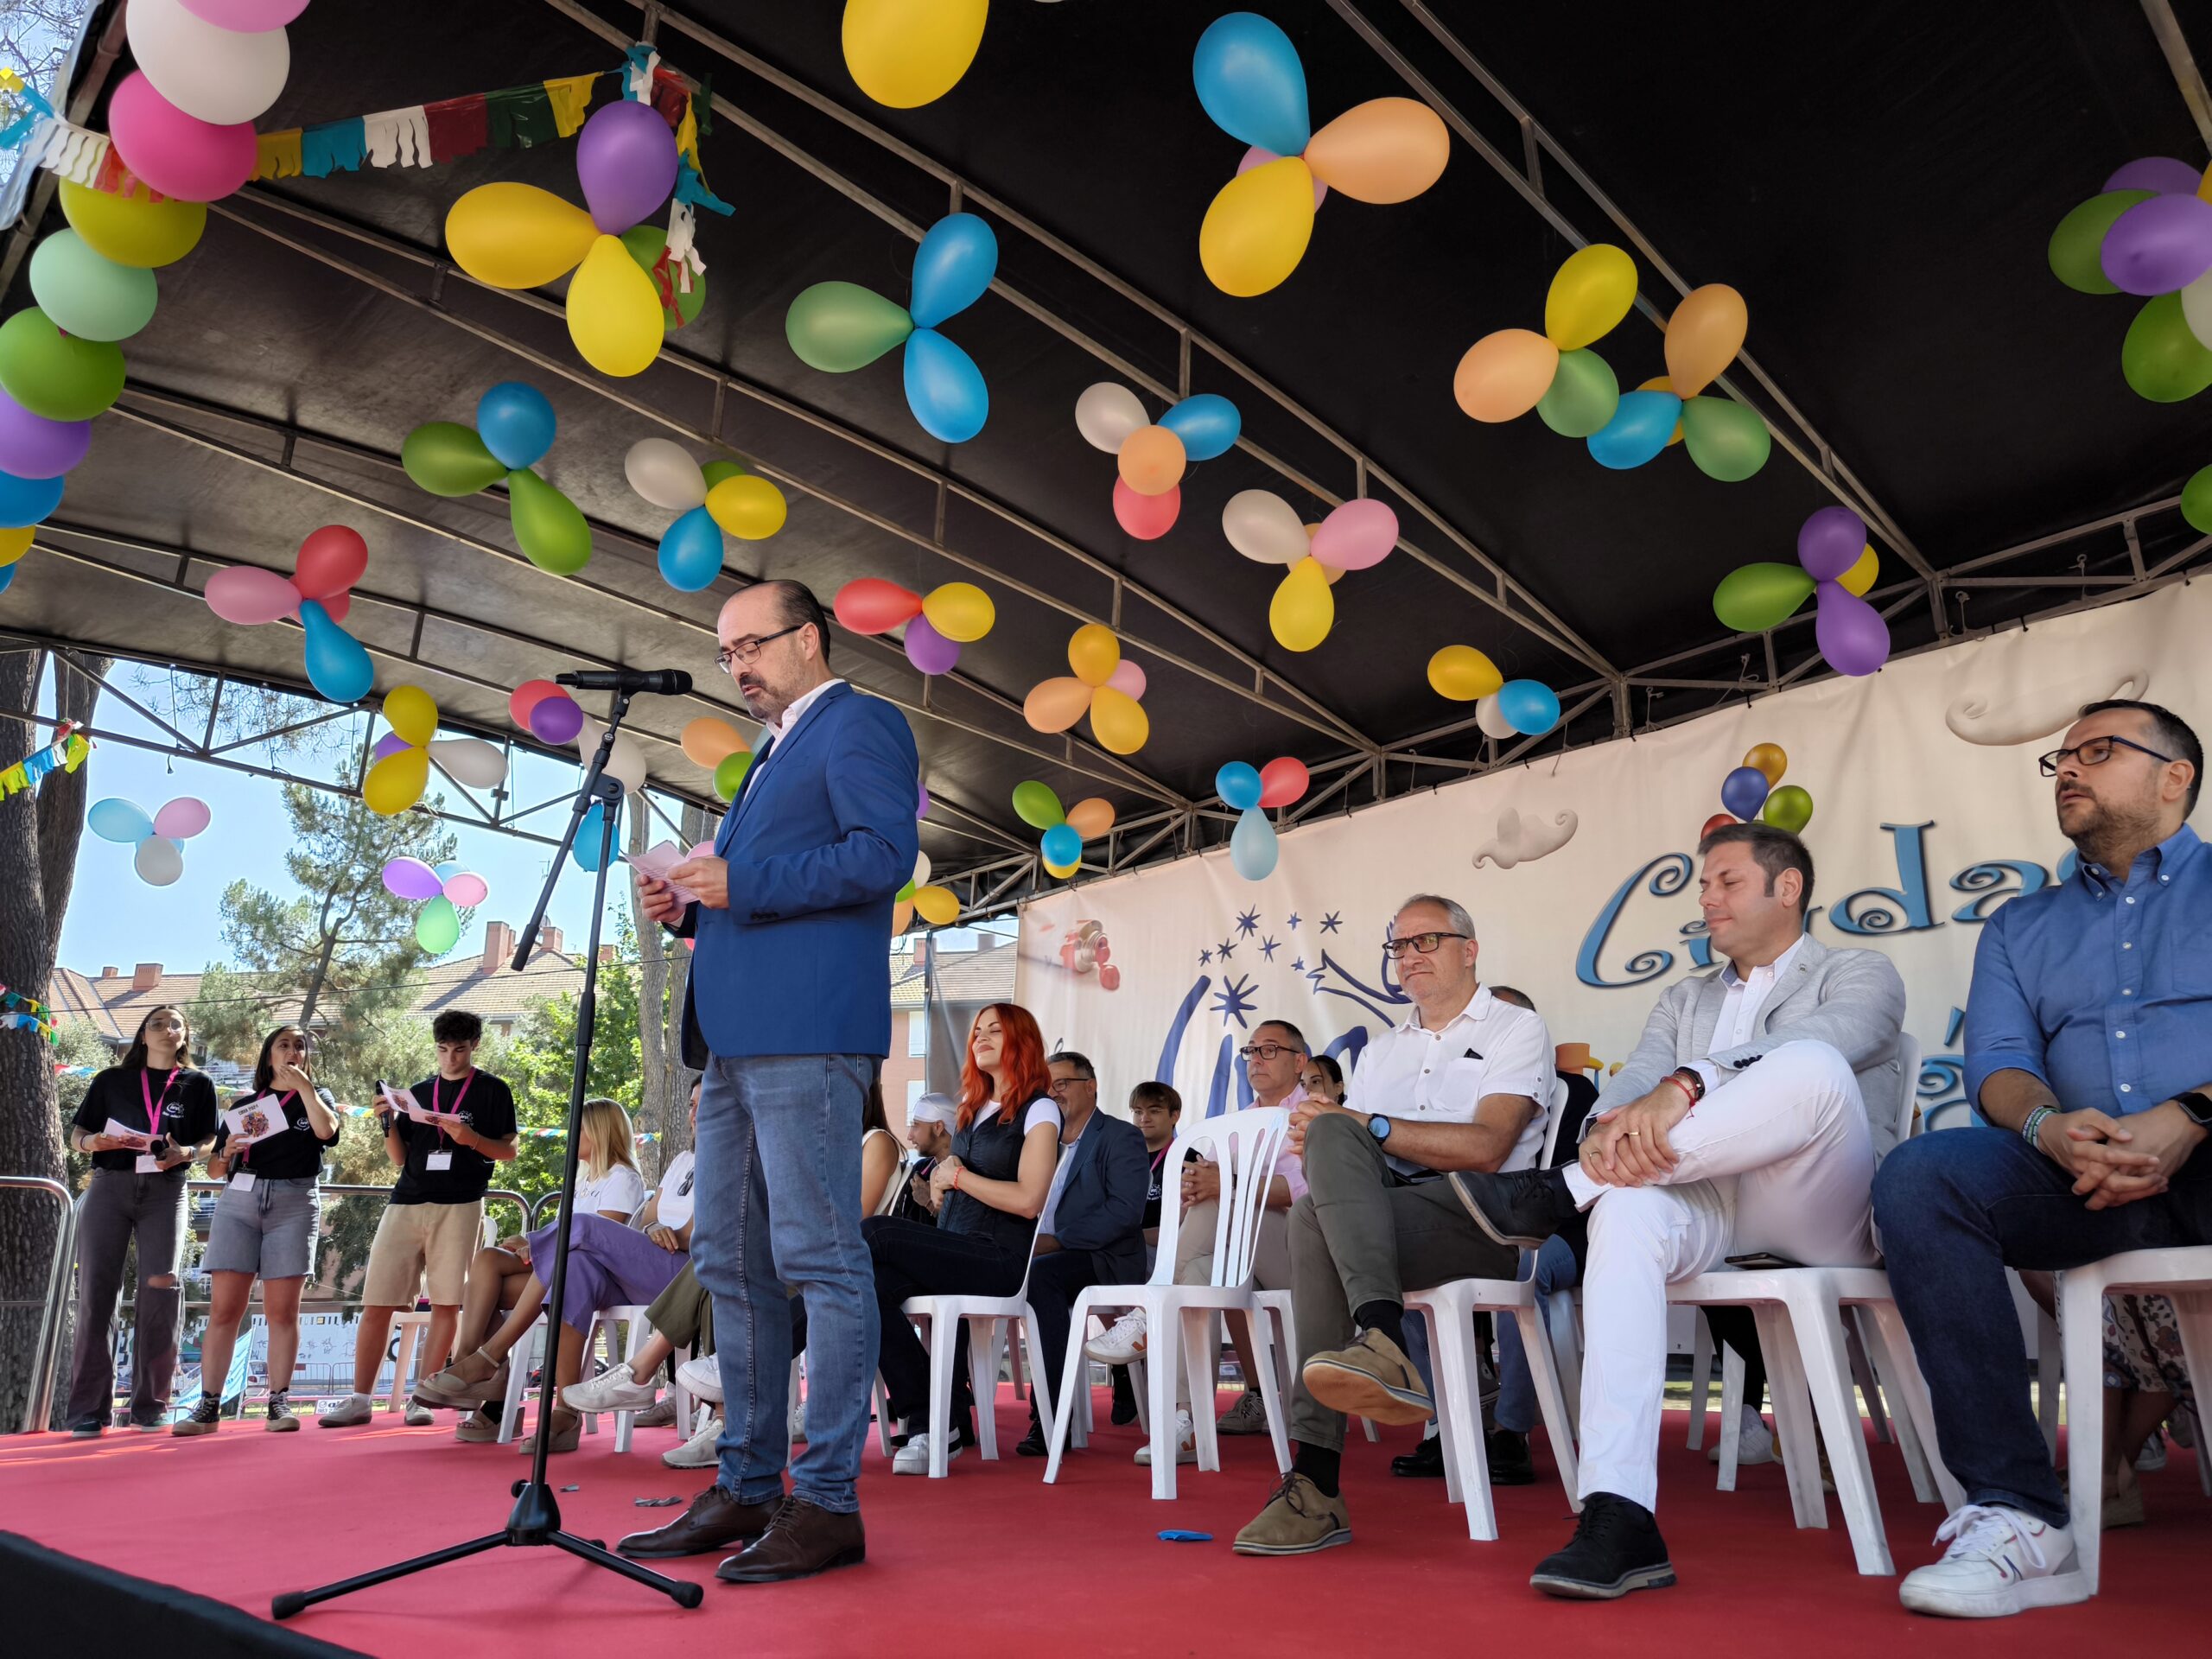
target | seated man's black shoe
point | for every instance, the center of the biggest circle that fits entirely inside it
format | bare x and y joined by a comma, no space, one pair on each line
1125,1397
1510,1462
1617,1548
1032,1444
1520,1210
1425,1463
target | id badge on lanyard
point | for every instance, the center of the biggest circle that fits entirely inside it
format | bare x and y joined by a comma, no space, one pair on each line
147,1164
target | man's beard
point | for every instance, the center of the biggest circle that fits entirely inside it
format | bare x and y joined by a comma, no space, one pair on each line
2102,829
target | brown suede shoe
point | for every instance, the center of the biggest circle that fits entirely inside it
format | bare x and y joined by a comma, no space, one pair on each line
802,1540
1371,1378
715,1522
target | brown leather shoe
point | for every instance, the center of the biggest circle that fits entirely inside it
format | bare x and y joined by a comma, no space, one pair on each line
715,1521
802,1540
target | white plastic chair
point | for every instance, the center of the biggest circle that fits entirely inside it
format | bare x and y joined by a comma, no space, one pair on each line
944,1315
1245,1146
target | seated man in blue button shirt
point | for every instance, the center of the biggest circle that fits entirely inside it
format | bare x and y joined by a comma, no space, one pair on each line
2089,1051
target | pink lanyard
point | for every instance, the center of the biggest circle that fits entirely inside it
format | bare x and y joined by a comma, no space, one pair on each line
457,1099
154,1105
245,1152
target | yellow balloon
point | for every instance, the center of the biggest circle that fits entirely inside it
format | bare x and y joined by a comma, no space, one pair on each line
519,236
1387,149
1055,705
134,229
614,314
396,782
1855,581
1093,652
1504,375
907,52
1303,609
1091,818
14,543
1769,761
748,506
1462,674
411,714
960,611
1661,383
707,741
1060,872
1704,335
902,917
1591,293
937,904
1256,229
1118,721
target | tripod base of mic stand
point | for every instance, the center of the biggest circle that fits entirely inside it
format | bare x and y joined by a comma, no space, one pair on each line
536,1522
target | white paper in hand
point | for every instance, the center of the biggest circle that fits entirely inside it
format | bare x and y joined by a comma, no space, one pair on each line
254,1120
657,860
133,1140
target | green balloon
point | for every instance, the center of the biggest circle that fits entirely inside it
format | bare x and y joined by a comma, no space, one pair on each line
549,527
716,471
1037,806
1583,395
2197,500
1788,808
839,327
1726,439
903,894
729,776
437,926
1758,597
55,375
2162,360
88,296
450,459
2077,246
646,245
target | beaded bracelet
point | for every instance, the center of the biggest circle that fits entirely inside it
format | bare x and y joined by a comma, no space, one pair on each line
2030,1130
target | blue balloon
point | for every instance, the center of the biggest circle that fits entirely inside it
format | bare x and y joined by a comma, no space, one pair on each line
944,388
337,666
1530,706
1252,847
27,500
8,575
1743,792
1208,424
516,423
448,870
116,819
952,268
585,847
1252,84
1641,425
1238,785
691,552
1062,845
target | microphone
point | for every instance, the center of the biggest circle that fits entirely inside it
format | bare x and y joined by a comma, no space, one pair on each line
661,682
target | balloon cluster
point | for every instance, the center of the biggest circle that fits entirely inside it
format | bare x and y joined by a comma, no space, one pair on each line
722,749
1065,831
184,122
2149,233
1504,375
399,766
1264,527
718,497
159,839
937,905
1151,458
514,429
1253,87
1104,687
938,623
1833,559
517,236
1249,792
839,327
549,713
443,893
1503,708
1087,951
319,592
1755,789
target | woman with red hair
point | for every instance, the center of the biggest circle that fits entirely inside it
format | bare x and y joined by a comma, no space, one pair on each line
989,1193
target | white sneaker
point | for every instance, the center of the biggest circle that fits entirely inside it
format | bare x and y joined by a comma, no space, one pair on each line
702,1378
1186,1441
698,1451
1124,1343
913,1458
2001,1563
419,1416
1754,1443
613,1389
796,1425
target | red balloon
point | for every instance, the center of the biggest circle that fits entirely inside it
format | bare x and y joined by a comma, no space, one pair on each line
870,605
1282,781
332,560
336,605
1147,517
1718,820
527,696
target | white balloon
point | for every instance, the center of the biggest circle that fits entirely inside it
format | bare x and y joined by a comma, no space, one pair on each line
1262,526
625,764
663,472
1493,723
213,74
1106,413
159,861
471,761
921,869
2196,309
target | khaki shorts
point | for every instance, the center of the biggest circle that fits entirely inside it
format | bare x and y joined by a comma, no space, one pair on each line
414,1240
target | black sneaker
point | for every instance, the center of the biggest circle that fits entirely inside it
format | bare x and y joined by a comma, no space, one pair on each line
1510,1462
281,1420
206,1417
1032,1444
1617,1548
1520,1210
1125,1398
1427,1463
86,1431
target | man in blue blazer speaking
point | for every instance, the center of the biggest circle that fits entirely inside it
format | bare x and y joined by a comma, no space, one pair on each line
788,1012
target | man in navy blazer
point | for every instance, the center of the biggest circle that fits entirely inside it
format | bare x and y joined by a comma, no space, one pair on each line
788,1013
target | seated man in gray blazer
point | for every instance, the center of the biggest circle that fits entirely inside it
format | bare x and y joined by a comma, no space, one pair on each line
1739,1125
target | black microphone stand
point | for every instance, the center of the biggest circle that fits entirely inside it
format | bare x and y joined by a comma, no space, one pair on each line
535,1520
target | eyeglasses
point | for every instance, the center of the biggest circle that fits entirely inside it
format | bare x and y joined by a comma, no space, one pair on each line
1265,1050
1424,943
746,652
1061,1085
2093,752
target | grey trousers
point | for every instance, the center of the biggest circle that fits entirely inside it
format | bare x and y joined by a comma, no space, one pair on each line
120,1207
1354,1238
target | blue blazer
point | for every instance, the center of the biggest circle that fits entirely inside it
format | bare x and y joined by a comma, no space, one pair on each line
819,839
1101,1205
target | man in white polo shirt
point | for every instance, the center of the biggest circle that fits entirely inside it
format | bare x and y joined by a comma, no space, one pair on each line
1461,1084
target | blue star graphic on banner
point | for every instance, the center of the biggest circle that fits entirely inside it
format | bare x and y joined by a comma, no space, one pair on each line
1331,922
1293,923
1204,956
1248,922
1234,1000
1298,965
1268,949
1224,950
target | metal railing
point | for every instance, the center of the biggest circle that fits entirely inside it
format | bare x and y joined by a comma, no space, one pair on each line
46,1351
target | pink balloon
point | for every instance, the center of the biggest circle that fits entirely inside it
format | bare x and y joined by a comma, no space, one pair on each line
1257,157
1147,517
1126,679
331,559
527,696
468,891
182,818
248,594
410,878
179,156
1357,534
245,16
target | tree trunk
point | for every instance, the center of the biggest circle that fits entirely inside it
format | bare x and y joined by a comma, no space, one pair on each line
313,993
39,831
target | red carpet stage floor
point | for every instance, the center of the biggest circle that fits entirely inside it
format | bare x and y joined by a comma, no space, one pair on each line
992,1561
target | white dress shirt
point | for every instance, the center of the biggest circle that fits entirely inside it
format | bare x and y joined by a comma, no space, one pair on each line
1740,1008
1049,1214
1412,1075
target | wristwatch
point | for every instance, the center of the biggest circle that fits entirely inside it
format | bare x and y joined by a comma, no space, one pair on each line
1379,1126
2198,1105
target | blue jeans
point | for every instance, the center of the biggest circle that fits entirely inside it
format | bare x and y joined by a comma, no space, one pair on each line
1953,1210
789,1124
1516,1389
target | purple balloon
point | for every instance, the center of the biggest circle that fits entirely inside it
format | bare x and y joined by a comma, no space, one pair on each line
556,720
625,161
2160,173
390,744
1830,542
922,804
33,447
410,878
1851,632
2159,245
928,649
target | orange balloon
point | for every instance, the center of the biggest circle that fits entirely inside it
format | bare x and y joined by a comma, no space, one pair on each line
1505,375
902,917
1661,383
1385,150
1091,818
1094,653
1056,705
1769,761
708,741
1152,460
1704,335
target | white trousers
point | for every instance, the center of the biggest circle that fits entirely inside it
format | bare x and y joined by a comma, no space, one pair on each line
1781,1159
